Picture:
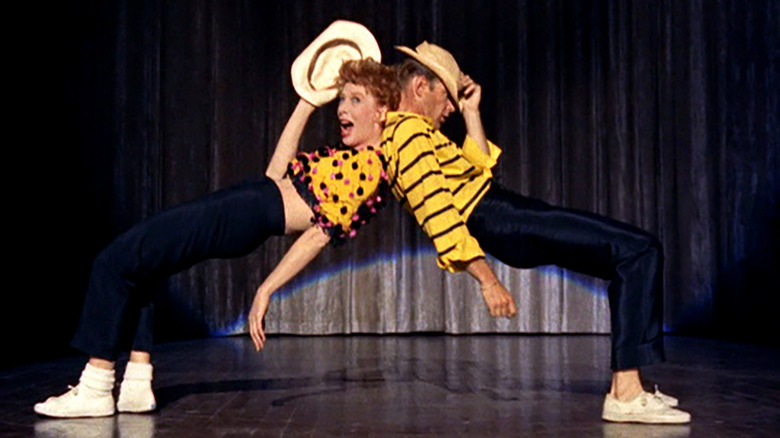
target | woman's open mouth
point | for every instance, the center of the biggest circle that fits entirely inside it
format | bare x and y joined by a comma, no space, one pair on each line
346,127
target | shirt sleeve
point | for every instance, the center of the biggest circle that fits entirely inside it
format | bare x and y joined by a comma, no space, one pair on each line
474,154
428,197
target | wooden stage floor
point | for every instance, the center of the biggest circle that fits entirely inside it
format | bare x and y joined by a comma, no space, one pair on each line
417,385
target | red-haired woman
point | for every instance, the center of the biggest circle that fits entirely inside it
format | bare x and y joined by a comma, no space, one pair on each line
325,195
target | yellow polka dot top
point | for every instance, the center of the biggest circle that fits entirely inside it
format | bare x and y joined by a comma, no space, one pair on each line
344,187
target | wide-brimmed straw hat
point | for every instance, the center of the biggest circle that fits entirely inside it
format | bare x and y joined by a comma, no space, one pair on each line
315,70
438,61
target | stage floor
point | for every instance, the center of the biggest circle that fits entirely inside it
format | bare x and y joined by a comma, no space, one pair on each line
416,385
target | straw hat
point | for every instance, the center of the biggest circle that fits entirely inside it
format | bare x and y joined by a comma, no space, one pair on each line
438,61
315,70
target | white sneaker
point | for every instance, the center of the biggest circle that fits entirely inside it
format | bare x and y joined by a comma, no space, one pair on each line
645,408
136,397
78,402
668,400
135,393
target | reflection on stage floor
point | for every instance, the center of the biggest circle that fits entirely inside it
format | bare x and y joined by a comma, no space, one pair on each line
421,385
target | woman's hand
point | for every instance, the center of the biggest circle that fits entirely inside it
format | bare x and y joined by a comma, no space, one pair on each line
303,251
256,314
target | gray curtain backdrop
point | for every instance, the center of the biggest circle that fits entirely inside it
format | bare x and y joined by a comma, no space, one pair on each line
663,114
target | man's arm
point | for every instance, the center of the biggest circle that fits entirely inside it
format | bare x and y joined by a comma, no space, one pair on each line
287,146
469,107
476,148
499,301
303,251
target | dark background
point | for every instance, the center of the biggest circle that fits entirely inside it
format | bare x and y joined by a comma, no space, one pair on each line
662,113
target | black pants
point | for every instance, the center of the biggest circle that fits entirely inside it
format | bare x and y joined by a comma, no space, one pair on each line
525,233
225,224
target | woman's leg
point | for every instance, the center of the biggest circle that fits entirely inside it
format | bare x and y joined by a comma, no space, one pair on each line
135,392
225,224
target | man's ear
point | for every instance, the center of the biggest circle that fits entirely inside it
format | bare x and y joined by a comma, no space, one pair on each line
420,85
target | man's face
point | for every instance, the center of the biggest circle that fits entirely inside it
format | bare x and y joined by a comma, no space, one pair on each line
437,104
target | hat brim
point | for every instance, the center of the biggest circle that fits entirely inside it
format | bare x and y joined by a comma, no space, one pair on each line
314,72
441,72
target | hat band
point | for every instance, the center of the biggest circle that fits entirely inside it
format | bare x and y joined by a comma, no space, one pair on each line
327,46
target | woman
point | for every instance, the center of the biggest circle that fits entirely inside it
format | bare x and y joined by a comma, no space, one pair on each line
327,195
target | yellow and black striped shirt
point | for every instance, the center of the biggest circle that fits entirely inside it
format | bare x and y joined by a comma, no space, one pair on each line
438,182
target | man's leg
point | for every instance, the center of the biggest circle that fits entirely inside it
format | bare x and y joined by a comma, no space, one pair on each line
526,233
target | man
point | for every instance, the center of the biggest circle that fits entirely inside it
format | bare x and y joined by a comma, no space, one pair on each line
450,192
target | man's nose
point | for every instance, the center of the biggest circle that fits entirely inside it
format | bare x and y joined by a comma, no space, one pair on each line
450,107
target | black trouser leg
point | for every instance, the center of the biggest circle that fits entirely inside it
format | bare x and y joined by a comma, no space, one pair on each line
225,224
525,233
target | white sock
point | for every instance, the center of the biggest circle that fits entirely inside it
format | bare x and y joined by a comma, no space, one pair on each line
96,381
138,371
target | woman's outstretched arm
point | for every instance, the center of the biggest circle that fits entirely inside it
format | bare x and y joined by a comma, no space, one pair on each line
287,146
303,251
